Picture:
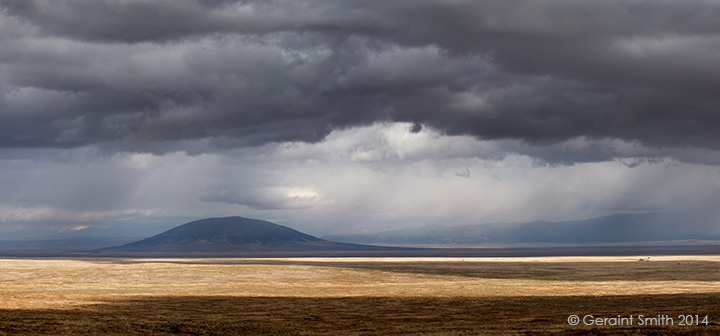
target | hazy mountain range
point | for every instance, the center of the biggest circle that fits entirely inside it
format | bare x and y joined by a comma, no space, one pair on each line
618,228
244,235
66,244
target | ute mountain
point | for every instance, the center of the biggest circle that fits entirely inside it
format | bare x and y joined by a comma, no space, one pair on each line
233,234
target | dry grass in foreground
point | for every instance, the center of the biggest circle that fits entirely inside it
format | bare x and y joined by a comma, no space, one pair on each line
359,296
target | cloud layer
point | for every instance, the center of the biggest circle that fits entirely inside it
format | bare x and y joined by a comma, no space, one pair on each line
147,75
342,116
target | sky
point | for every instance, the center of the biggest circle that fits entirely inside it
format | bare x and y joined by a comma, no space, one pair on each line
129,117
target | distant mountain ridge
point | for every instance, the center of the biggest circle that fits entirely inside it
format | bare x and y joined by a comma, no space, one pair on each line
234,234
617,228
67,244
238,236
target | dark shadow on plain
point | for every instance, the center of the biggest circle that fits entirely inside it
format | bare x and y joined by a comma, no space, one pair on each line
223,315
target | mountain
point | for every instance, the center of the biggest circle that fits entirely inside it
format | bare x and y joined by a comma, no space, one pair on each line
69,244
233,234
617,228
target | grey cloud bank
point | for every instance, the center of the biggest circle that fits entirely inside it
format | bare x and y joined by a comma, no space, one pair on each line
142,75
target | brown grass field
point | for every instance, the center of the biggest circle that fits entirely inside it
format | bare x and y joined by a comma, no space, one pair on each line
356,296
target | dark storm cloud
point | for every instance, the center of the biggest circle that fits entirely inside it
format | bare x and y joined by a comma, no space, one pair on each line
139,73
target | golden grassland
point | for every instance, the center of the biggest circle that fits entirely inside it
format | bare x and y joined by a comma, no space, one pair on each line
360,296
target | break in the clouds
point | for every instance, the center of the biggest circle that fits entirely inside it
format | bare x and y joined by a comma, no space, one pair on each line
142,75
340,116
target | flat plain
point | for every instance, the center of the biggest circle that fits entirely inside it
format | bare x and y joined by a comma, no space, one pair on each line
357,296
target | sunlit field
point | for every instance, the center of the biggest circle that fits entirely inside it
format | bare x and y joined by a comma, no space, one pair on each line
360,296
